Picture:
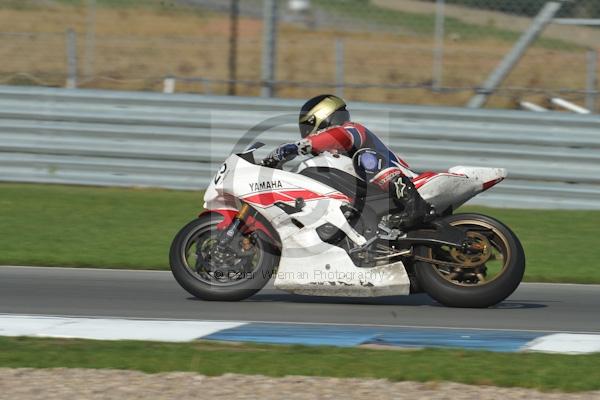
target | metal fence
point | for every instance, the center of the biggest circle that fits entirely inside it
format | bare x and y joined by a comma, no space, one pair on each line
397,51
111,138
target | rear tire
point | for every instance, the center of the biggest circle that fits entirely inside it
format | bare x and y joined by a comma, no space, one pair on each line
477,295
191,280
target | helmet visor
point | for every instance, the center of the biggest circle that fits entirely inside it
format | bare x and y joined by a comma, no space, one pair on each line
306,129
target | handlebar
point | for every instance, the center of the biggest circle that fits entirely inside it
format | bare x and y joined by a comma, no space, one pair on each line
269,162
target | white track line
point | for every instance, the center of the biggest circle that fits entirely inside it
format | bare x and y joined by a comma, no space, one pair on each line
311,323
187,331
565,344
110,328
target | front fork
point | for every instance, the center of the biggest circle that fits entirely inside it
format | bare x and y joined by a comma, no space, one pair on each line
230,232
223,259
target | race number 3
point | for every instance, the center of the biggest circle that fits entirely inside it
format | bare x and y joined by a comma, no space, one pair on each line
220,173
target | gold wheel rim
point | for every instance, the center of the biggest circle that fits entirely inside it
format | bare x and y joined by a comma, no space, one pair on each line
472,263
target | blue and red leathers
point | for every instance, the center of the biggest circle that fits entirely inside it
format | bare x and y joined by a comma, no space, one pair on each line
373,161
379,165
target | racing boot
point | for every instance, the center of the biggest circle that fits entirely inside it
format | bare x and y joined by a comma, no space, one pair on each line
415,210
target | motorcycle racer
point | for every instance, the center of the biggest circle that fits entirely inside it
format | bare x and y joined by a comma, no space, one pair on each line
322,229
325,125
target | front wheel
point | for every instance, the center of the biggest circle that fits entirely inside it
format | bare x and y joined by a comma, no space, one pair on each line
210,275
482,276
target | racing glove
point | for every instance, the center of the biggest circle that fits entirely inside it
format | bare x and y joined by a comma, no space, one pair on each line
287,152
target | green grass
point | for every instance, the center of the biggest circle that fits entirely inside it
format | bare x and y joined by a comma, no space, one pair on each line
132,228
363,11
424,24
87,226
117,3
162,5
539,371
560,246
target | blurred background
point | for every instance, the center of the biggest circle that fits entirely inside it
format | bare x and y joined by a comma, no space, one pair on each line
396,51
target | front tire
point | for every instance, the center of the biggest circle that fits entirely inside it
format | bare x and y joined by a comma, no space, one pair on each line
188,266
470,286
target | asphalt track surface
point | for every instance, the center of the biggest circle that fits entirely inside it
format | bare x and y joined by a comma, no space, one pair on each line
156,295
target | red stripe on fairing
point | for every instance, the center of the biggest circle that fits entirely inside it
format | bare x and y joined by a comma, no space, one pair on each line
428,176
423,178
424,175
228,215
421,183
250,224
268,199
340,196
489,184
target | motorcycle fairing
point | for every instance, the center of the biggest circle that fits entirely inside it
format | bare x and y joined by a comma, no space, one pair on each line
442,189
264,187
250,225
307,264
457,186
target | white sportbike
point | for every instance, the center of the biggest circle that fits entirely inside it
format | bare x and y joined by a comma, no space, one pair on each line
320,230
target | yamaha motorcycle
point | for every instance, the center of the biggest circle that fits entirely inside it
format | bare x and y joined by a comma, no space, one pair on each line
320,230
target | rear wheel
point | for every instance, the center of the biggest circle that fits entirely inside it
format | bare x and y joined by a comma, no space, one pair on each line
209,274
482,276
